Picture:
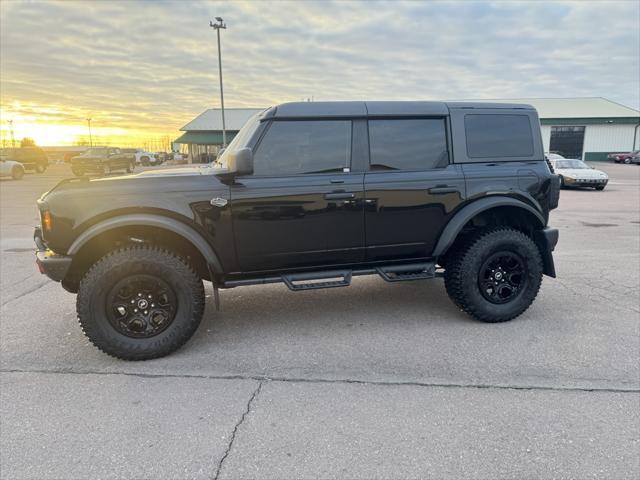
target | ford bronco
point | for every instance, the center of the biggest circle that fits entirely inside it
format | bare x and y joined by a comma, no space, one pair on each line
311,195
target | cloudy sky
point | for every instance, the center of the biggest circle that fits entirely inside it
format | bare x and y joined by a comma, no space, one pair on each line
143,68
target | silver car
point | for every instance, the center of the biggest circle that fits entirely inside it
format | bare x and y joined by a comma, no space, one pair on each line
9,168
576,173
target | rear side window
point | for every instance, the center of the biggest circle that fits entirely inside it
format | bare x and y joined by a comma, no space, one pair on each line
408,144
496,136
309,146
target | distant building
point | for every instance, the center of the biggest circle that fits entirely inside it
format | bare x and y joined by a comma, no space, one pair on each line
203,135
587,128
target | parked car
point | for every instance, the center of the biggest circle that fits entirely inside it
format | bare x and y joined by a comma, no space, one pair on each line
146,158
31,158
311,194
101,160
9,168
625,157
576,173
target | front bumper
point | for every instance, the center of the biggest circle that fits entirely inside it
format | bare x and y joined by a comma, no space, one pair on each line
547,239
49,263
585,182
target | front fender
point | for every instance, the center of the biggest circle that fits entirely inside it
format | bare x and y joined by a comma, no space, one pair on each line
150,220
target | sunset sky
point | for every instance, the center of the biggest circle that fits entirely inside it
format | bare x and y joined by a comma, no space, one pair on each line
142,69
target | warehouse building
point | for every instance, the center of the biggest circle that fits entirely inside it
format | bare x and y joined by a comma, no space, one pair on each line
202,139
587,128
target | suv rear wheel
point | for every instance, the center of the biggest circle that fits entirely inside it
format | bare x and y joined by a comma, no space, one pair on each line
139,303
495,275
40,168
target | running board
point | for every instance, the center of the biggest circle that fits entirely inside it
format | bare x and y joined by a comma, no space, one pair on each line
315,280
407,272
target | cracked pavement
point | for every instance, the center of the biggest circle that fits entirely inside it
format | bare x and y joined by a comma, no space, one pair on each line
370,381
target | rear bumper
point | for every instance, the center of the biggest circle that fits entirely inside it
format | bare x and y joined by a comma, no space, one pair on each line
49,263
547,239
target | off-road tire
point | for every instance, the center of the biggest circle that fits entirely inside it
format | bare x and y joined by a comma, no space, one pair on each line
17,173
463,269
91,303
40,168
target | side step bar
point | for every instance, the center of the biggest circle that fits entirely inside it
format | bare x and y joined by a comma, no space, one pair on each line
315,280
407,272
342,278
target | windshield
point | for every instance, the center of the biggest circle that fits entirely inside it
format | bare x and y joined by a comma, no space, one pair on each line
95,151
571,164
555,156
239,141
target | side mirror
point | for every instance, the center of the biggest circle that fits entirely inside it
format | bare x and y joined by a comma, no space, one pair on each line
241,162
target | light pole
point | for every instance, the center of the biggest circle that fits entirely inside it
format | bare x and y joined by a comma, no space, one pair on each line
217,27
90,139
13,140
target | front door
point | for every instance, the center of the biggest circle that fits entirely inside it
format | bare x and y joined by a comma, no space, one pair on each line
302,206
411,188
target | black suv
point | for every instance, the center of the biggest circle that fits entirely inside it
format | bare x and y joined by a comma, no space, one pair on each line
311,194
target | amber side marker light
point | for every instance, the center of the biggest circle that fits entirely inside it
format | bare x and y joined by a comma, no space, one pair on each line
47,223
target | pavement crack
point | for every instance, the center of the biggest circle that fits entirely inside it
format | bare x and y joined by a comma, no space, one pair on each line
27,292
235,430
623,388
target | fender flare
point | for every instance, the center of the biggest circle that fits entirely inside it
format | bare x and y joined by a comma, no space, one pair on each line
460,219
151,220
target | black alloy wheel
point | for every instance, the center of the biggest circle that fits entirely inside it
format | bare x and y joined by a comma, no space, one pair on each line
501,277
141,306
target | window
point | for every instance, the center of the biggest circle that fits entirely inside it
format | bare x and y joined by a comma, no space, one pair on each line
307,146
410,144
498,136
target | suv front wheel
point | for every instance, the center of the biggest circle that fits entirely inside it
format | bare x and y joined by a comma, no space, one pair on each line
495,275
139,303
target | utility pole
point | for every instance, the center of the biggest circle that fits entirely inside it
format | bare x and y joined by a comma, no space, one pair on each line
90,138
217,27
13,140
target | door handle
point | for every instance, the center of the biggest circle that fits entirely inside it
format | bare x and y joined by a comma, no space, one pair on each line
336,180
339,196
442,189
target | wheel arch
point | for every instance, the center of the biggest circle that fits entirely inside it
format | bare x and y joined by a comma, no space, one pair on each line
482,207
155,229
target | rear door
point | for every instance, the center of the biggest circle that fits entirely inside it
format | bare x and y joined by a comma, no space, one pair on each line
411,187
303,206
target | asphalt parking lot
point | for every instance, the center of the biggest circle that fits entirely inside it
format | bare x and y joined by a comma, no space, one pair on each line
371,381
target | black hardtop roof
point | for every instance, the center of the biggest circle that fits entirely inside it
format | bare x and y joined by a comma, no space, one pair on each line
378,108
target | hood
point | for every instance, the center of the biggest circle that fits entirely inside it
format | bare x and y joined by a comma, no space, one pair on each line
581,173
163,172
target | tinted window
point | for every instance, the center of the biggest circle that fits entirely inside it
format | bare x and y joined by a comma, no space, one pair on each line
419,144
312,146
498,136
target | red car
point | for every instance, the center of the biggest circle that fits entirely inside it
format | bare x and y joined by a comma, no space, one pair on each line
628,157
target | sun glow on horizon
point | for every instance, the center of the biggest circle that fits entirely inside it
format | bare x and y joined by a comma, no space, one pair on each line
56,126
